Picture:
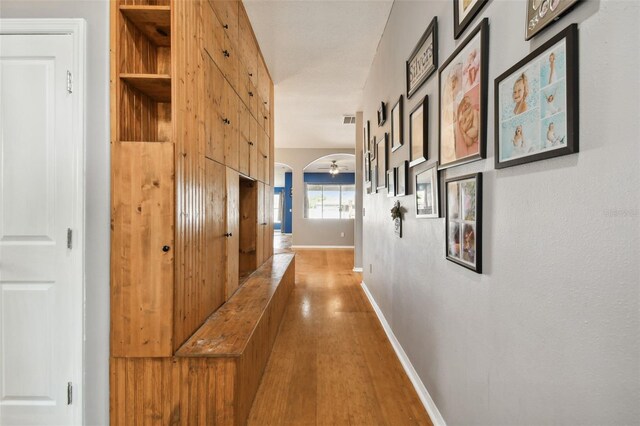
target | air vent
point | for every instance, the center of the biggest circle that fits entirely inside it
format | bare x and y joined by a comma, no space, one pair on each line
349,119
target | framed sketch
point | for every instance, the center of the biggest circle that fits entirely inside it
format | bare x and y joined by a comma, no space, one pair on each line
426,193
463,82
382,161
536,104
464,221
391,183
418,133
401,178
382,114
396,125
463,13
367,166
423,61
372,147
542,13
365,138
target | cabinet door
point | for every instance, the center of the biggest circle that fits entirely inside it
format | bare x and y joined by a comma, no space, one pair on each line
268,213
215,228
233,232
231,127
215,110
218,45
264,82
248,47
244,139
253,149
142,249
227,13
260,228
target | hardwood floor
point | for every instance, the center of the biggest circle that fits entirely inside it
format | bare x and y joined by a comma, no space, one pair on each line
281,242
332,362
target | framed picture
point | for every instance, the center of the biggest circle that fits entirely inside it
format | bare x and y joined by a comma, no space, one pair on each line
542,13
382,161
463,13
463,100
418,133
391,183
396,126
423,61
401,178
536,104
464,221
367,166
427,195
372,147
365,138
382,114
374,179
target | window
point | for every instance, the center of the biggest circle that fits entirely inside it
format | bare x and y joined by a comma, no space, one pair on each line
277,218
330,201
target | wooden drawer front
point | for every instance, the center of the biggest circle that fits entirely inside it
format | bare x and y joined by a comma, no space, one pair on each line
253,149
215,110
243,143
231,126
218,45
248,92
264,157
264,82
248,48
227,13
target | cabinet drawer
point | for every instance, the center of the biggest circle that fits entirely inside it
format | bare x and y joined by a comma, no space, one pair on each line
215,109
219,47
231,127
227,13
248,48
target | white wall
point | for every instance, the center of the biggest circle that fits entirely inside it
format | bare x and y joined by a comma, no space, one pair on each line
96,13
549,333
313,232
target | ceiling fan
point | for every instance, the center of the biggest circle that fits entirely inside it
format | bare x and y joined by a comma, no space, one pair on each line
334,169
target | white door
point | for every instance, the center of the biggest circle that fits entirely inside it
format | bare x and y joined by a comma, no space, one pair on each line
39,195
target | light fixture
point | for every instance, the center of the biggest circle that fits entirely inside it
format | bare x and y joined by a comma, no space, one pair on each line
333,169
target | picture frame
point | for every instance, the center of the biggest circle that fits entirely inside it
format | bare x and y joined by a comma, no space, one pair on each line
463,13
396,126
419,133
402,172
367,166
382,114
391,182
543,13
374,179
463,81
427,195
463,221
536,104
382,161
372,147
365,138
423,61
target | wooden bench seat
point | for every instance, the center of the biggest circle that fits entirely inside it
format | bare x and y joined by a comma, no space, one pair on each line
214,376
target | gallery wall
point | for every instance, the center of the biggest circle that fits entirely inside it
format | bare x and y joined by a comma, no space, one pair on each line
313,232
548,333
96,345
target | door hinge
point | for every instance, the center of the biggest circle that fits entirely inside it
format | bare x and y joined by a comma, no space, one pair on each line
69,238
69,393
69,82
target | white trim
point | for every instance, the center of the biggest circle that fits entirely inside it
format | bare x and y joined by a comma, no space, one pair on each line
322,247
426,399
77,29
357,269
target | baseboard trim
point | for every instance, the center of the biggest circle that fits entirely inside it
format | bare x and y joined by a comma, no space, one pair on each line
423,394
321,247
357,270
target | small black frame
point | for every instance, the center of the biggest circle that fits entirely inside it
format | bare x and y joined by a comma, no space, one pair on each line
382,146
423,138
432,66
477,231
396,126
382,114
460,26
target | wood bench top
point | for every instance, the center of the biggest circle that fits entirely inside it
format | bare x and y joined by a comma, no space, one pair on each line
226,332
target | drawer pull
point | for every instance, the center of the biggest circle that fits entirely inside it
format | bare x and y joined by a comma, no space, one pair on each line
251,94
225,26
166,248
226,121
228,234
226,53
250,143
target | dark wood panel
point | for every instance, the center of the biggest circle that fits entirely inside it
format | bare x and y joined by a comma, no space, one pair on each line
153,21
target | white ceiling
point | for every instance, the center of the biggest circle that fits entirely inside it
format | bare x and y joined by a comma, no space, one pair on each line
346,162
318,53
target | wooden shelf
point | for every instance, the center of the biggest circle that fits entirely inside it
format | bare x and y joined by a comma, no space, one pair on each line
155,86
153,21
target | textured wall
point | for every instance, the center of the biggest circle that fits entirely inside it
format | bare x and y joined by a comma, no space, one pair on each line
549,334
311,232
96,13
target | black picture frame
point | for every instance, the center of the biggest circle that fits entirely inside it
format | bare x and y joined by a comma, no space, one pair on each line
419,133
402,179
372,147
396,126
382,114
365,138
461,23
427,187
543,13
456,60
382,161
458,229
374,179
423,61
391,182
546,90
367,166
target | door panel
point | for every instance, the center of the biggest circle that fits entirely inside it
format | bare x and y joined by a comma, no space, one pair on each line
253,150
215,241
215,110
232,125
233,230
260,227
40,273
243,143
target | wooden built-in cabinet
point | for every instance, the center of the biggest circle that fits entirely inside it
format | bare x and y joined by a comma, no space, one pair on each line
192,143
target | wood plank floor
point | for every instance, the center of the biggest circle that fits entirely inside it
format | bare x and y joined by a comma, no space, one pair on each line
332,363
